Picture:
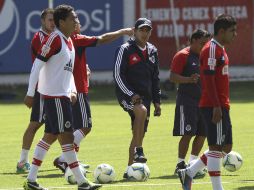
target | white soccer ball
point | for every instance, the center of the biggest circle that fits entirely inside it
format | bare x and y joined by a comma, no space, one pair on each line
104,173
70,178
232,161
138,172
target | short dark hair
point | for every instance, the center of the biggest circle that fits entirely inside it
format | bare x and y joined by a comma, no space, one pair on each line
199,33
45,12
61,13
223,21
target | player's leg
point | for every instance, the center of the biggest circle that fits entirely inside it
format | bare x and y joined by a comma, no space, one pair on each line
82,124
66,138
36,121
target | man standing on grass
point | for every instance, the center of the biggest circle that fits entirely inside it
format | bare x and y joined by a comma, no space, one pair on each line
81,109
54,64
37,117
188,120
214,103
136,74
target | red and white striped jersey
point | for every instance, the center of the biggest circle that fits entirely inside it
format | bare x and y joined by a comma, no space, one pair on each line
56,78
214,75
37,40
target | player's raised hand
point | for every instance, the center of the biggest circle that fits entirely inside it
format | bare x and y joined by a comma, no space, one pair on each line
217,115
157,110
28,101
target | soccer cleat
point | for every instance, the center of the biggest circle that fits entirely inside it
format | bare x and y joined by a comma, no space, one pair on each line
125,175
32,186
89,186
60,165
86,166
139,155
180,165
186,180
22,167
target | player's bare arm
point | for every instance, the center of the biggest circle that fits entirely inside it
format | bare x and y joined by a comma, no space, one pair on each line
28,101
111,36
217,114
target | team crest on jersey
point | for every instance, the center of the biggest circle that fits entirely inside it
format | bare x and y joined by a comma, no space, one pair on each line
68,66
211,63
152,59
225,70
67,124
45,49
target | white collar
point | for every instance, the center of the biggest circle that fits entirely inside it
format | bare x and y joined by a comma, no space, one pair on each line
215,41
60,33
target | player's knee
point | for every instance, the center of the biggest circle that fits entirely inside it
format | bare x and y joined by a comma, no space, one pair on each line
34,126
140,111
86,130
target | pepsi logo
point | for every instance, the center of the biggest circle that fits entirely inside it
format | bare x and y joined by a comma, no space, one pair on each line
10,24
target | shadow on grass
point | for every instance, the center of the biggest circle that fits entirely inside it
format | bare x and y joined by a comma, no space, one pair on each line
165,177
50,176
245,188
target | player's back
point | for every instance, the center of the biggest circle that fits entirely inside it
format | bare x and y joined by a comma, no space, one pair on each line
214,64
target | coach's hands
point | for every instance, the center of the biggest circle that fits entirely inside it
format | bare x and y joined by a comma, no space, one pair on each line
217,115
194,78
28,101
157,109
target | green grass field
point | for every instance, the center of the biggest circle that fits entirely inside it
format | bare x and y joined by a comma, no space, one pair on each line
109,141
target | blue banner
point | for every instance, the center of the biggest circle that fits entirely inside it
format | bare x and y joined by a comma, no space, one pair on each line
19,20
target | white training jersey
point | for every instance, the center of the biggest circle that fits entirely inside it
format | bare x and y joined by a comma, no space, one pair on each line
56,76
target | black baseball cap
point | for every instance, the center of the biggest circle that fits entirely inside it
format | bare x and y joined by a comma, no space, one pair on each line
143,22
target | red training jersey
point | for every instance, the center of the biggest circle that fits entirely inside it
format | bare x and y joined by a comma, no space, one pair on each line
37,40
80,43
214,76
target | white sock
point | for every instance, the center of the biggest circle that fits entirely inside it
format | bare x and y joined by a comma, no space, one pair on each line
192,157
214,167
180,160
198,165
61,158
24,156
39,154
71,158
78,136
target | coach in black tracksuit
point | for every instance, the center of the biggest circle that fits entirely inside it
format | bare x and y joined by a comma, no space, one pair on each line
136,75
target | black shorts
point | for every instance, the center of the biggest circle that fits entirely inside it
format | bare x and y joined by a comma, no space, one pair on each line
81,112
125,103
58,115
38,113
220,133
188,121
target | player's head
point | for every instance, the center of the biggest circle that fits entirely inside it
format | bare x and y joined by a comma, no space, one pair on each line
198,39
142,31
225,28
47,20
78,26
65,18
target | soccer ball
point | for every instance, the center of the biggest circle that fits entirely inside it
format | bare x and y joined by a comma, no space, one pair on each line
138,172
232,161
104,173
70,177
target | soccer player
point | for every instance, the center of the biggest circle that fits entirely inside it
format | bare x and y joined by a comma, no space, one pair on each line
188,120
54,63
81,109
136,74
37,114
214,102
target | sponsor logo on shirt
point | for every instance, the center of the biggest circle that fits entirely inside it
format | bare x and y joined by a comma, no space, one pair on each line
68,66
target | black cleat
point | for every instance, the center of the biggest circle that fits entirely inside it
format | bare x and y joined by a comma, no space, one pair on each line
139,155
60,165
180,165
32,186
125,175
89,186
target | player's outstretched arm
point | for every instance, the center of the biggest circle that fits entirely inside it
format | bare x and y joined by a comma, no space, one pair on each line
112,36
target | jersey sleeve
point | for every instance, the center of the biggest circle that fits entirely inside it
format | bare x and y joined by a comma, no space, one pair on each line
84,41
50,46
35,46
178,63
